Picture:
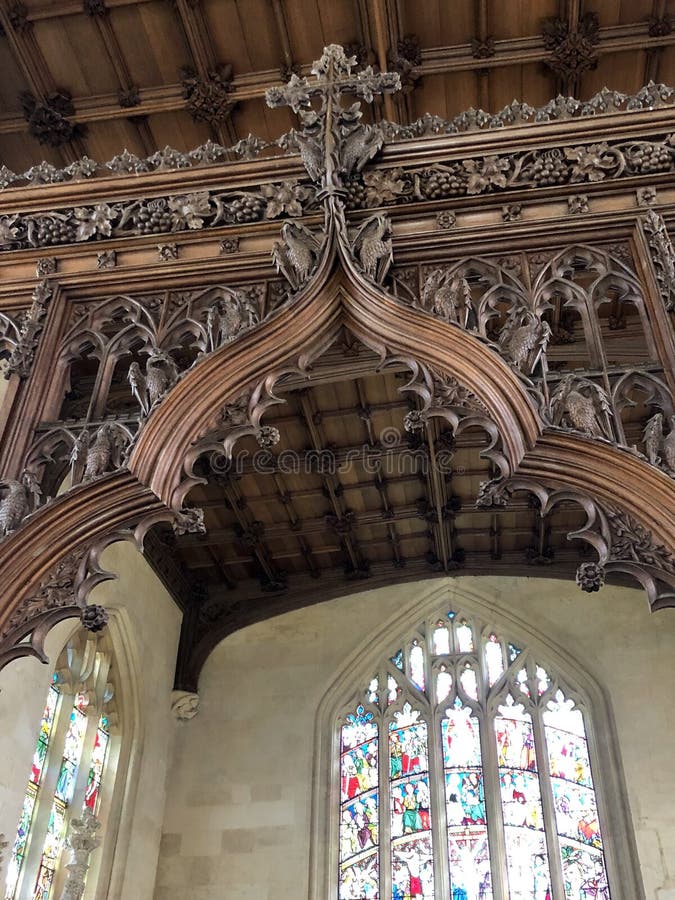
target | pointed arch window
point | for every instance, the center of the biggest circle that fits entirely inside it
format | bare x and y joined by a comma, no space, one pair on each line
465,773
68,768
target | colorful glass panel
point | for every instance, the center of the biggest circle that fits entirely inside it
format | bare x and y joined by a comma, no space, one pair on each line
93,789
409,798
494,658
417,666
35,778
359,801
574,801
468,848
526,853
412,868
65,787
464,637
441,640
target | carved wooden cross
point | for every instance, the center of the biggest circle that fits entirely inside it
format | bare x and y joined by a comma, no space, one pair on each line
326,130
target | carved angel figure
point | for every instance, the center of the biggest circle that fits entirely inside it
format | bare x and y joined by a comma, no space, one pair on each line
660,448
582,406
296,255
21,498
372,247
227,317
448,297
160,376
524,340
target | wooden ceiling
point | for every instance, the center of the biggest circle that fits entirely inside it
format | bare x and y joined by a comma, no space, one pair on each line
92,77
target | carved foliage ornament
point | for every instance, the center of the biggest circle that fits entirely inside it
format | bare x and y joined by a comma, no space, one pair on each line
663,256
20,361
572,50
209,99
333,143
649,97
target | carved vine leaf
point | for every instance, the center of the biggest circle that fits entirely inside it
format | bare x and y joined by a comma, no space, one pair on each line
632,542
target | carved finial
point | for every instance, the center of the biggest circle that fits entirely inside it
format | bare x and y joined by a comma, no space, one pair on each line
189,520
94,617
20,361
590,577
184,705
333,143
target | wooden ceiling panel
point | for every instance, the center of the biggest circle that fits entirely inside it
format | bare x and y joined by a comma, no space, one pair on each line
152,43
242,34
12,82
430,96
20,151
122,133
305,29
462,91
533,83
338,21
440,24
178,130
62,41
619,72
522,18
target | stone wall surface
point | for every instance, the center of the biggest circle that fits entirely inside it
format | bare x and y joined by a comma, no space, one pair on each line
238,813
145,633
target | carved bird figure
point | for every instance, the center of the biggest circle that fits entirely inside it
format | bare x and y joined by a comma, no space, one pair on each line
579,409
669,446
653,437
16,504
160,376
519,340
358,147
440,295
100,453
311,152
213,327
372,249
295,255
78,456
138,387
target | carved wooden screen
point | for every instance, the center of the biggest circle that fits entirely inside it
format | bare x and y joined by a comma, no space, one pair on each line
465,772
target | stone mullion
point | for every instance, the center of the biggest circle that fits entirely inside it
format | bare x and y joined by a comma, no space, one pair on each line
439,826
550,825
493,807
384,805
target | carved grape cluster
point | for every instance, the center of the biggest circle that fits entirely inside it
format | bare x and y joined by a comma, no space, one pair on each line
357,197
153,218
549,169
649,158
247,209
443,182
49,230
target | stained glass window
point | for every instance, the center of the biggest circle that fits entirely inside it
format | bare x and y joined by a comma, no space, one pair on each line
467,776
68,768
34,782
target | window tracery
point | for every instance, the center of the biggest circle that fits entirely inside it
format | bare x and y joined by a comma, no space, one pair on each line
465,772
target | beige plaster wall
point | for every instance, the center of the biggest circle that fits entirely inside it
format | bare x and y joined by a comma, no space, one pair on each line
237,821
145,633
